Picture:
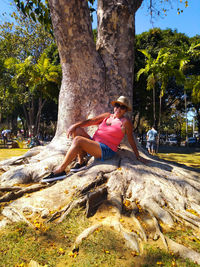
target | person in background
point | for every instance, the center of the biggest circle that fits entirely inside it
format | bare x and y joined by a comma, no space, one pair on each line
151,140
4,136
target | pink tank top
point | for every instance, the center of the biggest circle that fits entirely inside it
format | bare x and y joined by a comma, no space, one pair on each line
109,134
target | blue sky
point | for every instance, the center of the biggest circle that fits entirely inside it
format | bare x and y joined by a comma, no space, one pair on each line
187,22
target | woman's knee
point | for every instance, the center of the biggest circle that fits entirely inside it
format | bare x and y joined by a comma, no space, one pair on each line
77,140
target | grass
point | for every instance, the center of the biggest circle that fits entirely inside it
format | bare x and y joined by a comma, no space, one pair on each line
51,245
13,152
183,155
191,160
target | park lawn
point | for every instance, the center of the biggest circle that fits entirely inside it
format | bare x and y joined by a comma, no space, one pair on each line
191,160
51,244
13,152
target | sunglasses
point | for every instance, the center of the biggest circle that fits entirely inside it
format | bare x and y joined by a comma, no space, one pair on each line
117,105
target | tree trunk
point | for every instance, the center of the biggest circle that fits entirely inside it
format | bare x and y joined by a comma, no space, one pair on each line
159,191
115,43
82,91
197,108
154,107
26,121
92,78
159,123
38,116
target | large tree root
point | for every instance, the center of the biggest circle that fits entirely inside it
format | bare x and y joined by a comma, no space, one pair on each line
160,193
184,252
35,164
18,192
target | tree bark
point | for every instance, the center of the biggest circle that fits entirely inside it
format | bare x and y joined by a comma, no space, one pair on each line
92,78
82,91
38,116
115,43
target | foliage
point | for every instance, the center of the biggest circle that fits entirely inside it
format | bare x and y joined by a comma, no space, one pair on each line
186,50
22,44
34,81
46,76
38,10
159,71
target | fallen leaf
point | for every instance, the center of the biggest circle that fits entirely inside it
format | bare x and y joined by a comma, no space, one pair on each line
61,251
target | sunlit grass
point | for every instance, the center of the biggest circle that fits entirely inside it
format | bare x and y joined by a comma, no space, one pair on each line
51,244
191,160
53,247
13,152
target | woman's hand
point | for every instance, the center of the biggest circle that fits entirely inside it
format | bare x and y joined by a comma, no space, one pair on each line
70,130
143,160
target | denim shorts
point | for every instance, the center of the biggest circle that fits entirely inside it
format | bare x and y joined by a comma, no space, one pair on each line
151,145
106,152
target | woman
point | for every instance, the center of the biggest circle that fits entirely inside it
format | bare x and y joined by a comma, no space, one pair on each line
103,145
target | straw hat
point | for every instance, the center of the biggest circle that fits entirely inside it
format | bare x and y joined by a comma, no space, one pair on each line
124,101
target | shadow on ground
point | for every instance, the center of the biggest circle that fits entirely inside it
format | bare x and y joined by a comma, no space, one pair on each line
182,151
178,149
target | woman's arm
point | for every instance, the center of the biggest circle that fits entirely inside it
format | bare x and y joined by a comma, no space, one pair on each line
129,131
93,121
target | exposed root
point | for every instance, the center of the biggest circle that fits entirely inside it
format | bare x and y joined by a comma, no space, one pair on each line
130,237
100,179
159,189
85,234
71,206
21,191
158,231
67,209
195,207
187,217
138,224
184,252
131,241
15,216
9,188
182,221
94,199
90,199
158,212
35,164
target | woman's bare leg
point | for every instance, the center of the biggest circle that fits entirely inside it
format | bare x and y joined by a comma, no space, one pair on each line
79,146
80,132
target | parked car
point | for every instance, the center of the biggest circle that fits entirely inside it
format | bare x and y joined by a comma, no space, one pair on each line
192,141
172,141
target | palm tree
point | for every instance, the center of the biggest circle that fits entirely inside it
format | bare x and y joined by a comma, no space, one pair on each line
158,72
34,83
46,80
192,81
151,79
